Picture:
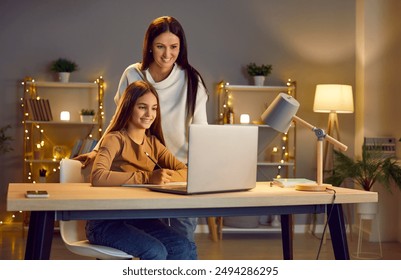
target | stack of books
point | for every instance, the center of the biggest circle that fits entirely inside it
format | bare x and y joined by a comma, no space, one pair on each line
291,182
38,109
83,146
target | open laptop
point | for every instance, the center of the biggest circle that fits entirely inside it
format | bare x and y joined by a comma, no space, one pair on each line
221,158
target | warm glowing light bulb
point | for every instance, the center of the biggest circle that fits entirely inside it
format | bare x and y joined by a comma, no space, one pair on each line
65,116
244,119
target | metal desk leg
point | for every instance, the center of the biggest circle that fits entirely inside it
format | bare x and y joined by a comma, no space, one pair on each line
338,232
286,236
40,235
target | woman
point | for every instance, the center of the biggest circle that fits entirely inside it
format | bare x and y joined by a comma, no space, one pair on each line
181,90
128,154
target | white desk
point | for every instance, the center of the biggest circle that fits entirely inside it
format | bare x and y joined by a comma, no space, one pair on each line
80,201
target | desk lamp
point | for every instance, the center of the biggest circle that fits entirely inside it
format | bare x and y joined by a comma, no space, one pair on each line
333,99
279,115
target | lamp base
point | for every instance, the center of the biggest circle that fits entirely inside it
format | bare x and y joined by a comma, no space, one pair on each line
312,187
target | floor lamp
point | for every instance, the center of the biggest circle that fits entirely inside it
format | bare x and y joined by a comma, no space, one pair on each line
279,115
333,99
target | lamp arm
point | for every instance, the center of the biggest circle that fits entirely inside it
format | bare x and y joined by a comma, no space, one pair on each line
327,137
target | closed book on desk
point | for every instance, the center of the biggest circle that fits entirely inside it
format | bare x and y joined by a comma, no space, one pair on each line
291,182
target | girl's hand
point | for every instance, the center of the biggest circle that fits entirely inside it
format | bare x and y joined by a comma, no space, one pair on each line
161,176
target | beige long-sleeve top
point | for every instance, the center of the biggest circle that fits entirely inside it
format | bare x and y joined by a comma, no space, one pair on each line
122,161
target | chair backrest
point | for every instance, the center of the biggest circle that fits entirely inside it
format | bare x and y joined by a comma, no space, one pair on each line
73,232
71,171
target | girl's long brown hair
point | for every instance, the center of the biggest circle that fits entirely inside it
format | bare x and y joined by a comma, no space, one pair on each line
126,106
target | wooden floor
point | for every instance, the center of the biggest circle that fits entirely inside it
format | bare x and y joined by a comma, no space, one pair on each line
234,246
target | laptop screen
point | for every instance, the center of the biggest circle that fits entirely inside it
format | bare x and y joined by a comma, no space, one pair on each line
222,157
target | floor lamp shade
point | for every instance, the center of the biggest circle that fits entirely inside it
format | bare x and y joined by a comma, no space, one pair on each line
333,98
280,112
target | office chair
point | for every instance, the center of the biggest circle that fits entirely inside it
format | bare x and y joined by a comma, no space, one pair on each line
73,232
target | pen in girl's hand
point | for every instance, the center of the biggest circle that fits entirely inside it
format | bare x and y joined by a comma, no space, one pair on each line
153,160
158,164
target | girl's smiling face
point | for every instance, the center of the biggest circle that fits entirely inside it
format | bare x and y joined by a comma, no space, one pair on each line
145,111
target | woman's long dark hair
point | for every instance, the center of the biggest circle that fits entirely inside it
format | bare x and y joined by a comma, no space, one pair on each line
127,105
170,24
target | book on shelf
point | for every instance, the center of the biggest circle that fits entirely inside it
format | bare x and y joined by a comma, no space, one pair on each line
291,182
83,146
48,111
30,109
38,109
76,148
39,104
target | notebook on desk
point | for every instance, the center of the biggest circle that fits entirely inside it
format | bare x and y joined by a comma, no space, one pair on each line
221,158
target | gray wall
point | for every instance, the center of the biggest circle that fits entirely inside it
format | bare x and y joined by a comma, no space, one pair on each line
310,41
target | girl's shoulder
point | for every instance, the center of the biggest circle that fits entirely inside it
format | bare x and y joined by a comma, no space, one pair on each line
113,140
114,136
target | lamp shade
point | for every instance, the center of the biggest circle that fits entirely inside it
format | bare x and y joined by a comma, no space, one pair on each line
280,112
333,98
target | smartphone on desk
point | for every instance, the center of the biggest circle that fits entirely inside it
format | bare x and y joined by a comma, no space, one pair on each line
36,194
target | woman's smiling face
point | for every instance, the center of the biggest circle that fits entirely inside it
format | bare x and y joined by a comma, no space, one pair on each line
165,49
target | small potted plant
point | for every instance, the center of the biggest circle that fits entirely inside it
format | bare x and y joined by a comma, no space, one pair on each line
63,67
5,140
259,72
374,166
87,115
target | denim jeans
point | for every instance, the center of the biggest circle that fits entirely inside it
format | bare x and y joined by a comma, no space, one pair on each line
147,239
185,226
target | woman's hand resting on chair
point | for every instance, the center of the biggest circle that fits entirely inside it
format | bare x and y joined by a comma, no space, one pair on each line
87,158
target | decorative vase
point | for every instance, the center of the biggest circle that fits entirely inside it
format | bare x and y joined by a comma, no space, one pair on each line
86,118
276,221
259,80
242,221
64,77
367,210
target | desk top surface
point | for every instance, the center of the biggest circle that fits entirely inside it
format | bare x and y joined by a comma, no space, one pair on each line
82,196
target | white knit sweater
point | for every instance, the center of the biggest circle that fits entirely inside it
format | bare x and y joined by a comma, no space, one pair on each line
172,93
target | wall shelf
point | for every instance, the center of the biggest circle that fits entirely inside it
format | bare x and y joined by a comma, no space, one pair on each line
234,100
253,100
48,140
263,89
62,123
260,229
45,84
276,163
